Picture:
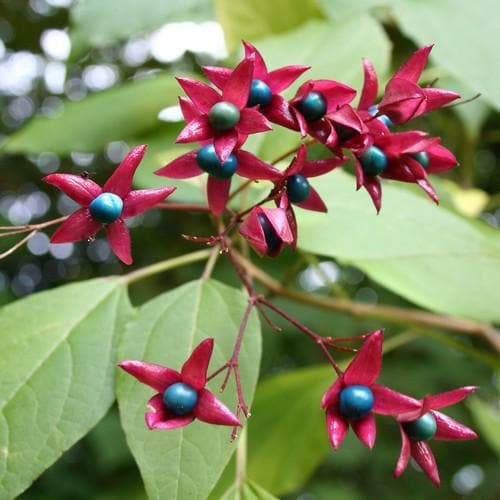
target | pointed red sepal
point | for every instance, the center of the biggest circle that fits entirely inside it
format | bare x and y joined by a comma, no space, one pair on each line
194,370
155,376
78,188
364,369
211,410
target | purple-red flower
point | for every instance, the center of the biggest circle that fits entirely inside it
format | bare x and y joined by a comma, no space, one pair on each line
265,87
106,206
315,100
354,397
402,156
267,230
224,118
404,99
181,396
204,160
426,423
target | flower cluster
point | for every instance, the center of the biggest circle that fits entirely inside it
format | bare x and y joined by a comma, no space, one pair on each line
249,98
354,397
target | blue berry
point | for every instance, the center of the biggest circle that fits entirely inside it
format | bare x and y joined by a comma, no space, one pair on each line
355,402
374,161
373,110
297,188
208,161
260,93
422,157
180,399
223,115
313,106
106,208
421,429
273,241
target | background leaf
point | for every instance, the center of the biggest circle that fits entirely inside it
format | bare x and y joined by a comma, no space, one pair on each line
253,19
416,249
57,358
465,35
96,23
287,438
90,124
487,418
187,462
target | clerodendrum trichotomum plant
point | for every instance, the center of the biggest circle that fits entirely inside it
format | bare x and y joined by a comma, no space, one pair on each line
220,117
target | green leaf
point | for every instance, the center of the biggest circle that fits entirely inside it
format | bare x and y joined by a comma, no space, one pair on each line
331,49
185,463
254,19
247,491
423,252
57,353
465,35
286,434
338,9
487,418
88,125
97,23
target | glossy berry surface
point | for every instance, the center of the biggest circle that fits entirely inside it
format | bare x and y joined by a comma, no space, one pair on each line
421,429
273,241
297,188
355,402
180,398
422,158
223,115
373,110
313,106
374,161
260,93
207,160
106,208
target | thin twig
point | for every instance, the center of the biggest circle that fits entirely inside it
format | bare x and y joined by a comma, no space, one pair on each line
19,244
401,315
209,266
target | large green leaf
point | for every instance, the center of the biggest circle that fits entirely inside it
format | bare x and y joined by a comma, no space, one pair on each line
330,48
57,352
287,438
465,35
88,125
423,252
487,418
253,19
97,23
247,491
185,463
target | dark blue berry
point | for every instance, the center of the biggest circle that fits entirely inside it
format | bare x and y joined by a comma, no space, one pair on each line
313,106
208,161
260,93
180,398
106,208
374,161
355,402
297,188
373,110
273,241
223,115
422,157
421,429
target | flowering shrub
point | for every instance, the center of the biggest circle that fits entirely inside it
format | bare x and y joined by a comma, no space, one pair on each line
219,119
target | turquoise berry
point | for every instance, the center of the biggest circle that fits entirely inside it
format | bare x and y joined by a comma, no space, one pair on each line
422,157
180,399
106,208
223,115
355,402
374,161
297,188
373,110
313,106
421,429
273,241
260,93
208,161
